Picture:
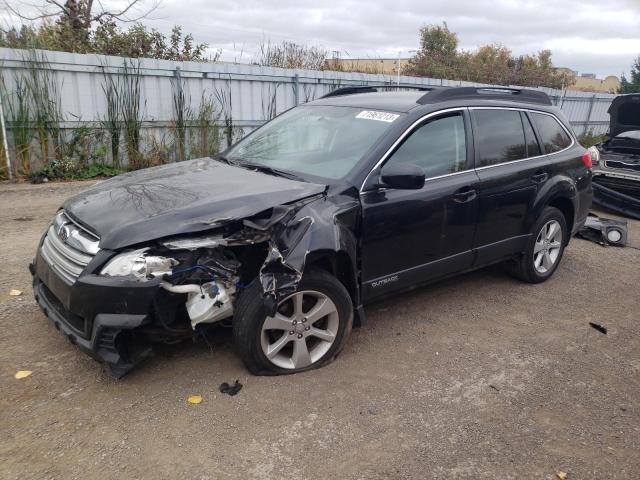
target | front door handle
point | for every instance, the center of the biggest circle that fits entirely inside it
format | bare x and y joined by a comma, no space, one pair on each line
464,195
540,177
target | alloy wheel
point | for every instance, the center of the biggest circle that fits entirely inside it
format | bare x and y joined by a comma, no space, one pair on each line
302,331
547,247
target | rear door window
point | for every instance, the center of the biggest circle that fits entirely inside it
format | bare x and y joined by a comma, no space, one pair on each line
552,135
499,136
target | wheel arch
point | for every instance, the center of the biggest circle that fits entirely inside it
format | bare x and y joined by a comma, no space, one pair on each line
560,194
340,265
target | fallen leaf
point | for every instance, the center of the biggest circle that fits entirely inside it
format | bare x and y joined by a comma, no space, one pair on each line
23,374
15,293
562,475
195,399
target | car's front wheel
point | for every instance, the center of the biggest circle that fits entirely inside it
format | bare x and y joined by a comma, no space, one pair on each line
308,330
544,249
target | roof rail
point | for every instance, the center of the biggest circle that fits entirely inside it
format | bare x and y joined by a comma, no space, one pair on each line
486,93
371,89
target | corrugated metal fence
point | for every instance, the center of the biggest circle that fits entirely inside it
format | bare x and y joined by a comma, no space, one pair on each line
248,94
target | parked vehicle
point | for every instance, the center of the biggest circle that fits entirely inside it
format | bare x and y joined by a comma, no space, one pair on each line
616,180
328,207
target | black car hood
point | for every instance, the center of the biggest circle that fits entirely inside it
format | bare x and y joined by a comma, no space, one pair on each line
179,198
624,114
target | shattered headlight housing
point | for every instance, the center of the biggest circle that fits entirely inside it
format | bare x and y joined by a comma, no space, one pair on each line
138,264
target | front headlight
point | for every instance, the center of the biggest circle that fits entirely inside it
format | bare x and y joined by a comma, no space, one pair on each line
138,264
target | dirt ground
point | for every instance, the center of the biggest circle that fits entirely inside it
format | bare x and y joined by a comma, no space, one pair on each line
477,377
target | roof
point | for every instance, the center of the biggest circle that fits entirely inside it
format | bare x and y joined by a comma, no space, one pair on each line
389,101
404,101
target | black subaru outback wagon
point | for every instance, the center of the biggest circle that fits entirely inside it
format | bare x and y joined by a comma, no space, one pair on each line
329,206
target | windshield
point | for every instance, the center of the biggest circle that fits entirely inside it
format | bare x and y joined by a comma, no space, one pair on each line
632,134
324,141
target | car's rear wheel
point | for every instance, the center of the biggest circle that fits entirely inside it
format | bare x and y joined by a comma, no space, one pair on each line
544,249
308,330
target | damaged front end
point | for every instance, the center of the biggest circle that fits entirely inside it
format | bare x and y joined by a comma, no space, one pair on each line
172,288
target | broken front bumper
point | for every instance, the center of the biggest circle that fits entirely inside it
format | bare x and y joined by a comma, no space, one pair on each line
98,314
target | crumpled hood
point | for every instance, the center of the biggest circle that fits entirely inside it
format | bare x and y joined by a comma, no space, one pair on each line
179,198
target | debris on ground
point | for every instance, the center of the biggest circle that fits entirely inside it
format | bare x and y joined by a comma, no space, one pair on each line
15,293
561,475
604,231
230,389
20,374
599,327
195,399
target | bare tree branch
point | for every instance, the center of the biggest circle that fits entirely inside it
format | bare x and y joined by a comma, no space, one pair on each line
81,11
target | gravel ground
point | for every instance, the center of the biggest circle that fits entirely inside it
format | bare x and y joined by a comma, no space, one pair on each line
477,377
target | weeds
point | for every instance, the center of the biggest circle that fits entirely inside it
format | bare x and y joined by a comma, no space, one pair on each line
590,139
20,117
157,151
270,107
291,55
182,116
206,135
67,169
45,102
226,106
130,95
112,121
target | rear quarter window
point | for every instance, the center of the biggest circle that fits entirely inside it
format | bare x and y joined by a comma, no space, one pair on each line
552,135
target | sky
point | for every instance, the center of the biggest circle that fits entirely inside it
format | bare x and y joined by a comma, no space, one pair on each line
601,37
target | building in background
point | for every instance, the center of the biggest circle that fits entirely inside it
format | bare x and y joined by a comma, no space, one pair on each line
587,82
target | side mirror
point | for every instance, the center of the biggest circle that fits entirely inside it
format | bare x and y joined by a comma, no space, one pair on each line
402,176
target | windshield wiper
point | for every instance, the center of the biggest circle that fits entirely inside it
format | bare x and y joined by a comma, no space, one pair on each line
269,170
222,158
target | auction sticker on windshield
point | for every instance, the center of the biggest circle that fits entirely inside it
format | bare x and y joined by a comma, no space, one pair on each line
380,116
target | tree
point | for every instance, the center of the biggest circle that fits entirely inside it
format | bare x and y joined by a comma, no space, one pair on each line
439,57
631,85
438,54
76,26
80,15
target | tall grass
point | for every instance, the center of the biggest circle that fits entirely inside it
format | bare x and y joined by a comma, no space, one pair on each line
112,121
130,95
20,123
182,116
226,106
206,134
45,99
270,102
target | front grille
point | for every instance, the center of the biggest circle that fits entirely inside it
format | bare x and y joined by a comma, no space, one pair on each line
624,165
68,248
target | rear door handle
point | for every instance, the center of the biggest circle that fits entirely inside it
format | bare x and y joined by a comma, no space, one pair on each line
540,177
464,195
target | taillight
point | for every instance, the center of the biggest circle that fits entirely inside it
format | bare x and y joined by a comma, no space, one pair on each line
586,159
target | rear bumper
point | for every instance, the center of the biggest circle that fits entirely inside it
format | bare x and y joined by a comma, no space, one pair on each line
97,314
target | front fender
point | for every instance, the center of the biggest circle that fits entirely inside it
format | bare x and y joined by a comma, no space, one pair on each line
322,227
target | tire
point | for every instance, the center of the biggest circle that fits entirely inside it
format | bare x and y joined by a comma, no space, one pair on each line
530,266
280,350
